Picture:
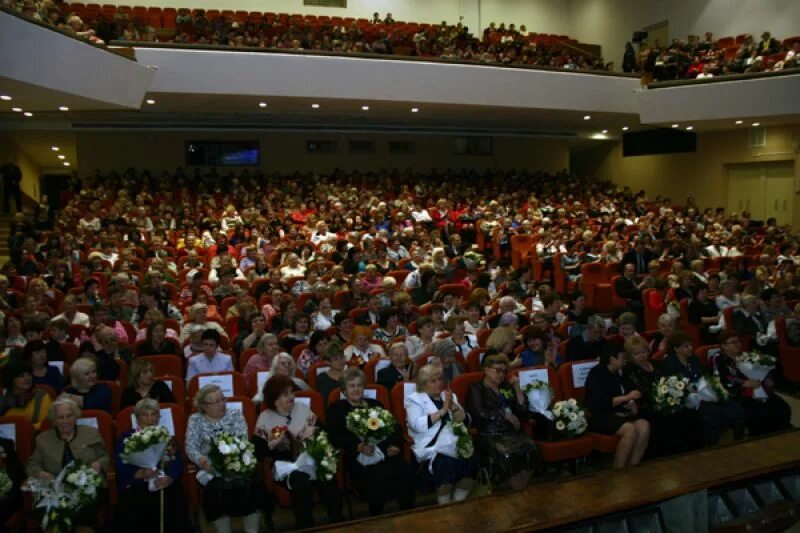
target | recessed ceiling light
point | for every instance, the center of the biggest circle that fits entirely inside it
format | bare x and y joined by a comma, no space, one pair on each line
150,101
5,97
63,108
28,114
315,106
756,124
16,109
262,104
415,110
625,128
55,148
740,122
364,108
676,125
62,156
605,131
587,117
66,163
690,128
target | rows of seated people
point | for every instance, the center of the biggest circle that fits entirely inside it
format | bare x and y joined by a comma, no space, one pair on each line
282,31
344,289
698,58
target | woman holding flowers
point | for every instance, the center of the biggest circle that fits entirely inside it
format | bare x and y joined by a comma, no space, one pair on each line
64,443
282,432
435,421
765,411
375,463
714,416
496,406
224,497
611,400
139,507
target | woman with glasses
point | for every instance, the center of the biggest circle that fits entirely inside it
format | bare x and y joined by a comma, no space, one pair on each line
765,411
497,405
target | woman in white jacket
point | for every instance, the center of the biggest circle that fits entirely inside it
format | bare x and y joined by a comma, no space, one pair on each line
429,412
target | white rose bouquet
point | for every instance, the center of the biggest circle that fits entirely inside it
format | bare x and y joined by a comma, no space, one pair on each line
233,458
5,484
325,456
62,499
145,448
570,419
669,394
539,394
464,446
756,366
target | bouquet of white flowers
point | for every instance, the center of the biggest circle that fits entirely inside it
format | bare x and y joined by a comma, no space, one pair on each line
145,449
756,366
570,419
539,394
708,389
5,484
472,260
464,445
669,393
371,424
233,458
62,499
324,454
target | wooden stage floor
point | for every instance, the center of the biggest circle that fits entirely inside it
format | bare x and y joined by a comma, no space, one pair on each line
549,505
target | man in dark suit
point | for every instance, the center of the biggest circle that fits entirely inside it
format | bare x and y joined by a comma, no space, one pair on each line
454,247
640,256
626,285
373,314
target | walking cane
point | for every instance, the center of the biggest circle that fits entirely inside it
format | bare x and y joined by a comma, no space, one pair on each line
161,496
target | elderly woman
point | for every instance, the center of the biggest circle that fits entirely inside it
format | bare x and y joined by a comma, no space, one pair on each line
283,365
763,415
388,478
611,400
390,326
139,507
502,341
268,348
142,384
445,351
293,268
84,390
20,397
362,350
299,425
158,341
429,411
496,406
223,498
666,327
401,368
421,343
43,373
65,442
198,315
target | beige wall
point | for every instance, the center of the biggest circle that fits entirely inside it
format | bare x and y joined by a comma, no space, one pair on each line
701,174
30,170
286,152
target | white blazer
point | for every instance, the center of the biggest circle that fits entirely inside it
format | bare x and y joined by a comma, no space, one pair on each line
418,406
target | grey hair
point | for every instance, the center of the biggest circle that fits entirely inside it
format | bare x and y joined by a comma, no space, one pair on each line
200,398
79,368
284,355
263,341
426,373
146,404
664,318
596,321
64,399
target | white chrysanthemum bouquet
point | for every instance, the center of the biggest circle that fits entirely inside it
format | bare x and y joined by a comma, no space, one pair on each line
570,419
145,448
539,394
63,498
756,365
669,393
709,389
232,457
5,484
325,456
464,446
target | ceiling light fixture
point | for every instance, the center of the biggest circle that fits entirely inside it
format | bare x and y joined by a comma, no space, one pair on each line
689,128
587,117
315,106
676,125
150,101
5,97
756,124
364,108
605,131
55,148
415,110
16,109
739,122
262,104
62,156
625,128
63,108
66,163
28,114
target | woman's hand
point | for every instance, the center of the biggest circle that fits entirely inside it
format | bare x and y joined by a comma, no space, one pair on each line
77,399
46,476
634,395
204,464
277,442
392,451
514,382
459,415
97,467
163,482
145,473
366,449
751,383
448,400
512,419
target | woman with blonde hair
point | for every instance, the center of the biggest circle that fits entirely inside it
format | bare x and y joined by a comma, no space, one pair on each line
502,341
85,391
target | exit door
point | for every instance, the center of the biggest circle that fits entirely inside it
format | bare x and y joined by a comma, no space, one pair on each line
764,189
